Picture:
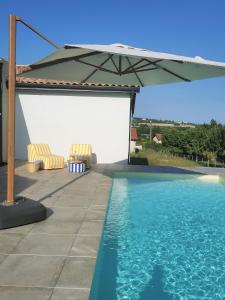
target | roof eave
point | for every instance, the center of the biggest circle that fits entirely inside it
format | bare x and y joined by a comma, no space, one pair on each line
77,87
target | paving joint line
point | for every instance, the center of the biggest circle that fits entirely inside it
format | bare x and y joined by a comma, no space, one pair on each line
44,287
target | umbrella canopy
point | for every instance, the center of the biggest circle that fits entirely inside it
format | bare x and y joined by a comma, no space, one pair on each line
121,65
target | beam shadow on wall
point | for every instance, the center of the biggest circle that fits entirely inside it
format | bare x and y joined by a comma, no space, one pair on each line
22,138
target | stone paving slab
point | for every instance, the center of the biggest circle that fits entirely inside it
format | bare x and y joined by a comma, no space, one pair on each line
100,199
85,246
73,200
53,226
95,213
91,228
30,270
3,257
25,293
21,229
45,244
70,294
9,241
64,214
77,272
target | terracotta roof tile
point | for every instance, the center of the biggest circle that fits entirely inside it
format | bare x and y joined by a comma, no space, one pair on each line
134,136
39,81
22,68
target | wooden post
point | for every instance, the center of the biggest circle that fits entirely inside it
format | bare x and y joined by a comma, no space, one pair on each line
11,102
11,110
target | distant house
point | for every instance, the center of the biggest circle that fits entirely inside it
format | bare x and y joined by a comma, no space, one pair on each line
158,137
133,140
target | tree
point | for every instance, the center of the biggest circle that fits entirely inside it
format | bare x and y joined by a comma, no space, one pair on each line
207,140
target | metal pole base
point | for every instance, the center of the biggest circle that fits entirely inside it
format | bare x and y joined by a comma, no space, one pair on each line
23,211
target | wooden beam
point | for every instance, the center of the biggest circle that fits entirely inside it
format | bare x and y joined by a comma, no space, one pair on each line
11,110
37,32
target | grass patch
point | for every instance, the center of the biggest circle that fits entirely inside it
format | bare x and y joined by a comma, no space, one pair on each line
154,158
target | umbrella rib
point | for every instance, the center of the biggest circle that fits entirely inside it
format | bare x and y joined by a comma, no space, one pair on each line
144,70
97,68
115,65
138,78
134,65
168,71
120,64
127,70
146,65
137,68
92,65
61,60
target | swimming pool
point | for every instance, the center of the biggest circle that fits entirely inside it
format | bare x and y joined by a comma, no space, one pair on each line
163,239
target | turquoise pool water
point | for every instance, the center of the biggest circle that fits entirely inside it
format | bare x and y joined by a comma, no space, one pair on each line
163,239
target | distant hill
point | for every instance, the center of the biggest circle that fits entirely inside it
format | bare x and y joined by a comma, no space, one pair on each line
147,121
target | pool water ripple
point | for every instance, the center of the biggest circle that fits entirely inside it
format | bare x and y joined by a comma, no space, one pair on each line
167,236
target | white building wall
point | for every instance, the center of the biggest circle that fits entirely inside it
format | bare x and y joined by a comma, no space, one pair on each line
132,146
62,118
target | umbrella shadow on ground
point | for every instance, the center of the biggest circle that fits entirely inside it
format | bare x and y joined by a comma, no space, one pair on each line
21,184
154,290
63,186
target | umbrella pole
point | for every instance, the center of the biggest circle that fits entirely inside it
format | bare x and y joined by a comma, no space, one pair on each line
20,210
11,102
11,111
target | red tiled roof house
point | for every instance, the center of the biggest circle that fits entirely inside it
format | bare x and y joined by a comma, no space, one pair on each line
133,139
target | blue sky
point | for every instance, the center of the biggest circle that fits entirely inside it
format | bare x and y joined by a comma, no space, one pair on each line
182,27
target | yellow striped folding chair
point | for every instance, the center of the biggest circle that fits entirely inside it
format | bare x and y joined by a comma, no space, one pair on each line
43,153
81,152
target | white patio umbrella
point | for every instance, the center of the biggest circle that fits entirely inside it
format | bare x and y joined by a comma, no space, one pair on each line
121,64
110,64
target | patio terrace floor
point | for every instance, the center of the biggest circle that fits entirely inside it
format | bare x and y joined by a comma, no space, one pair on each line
55,259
